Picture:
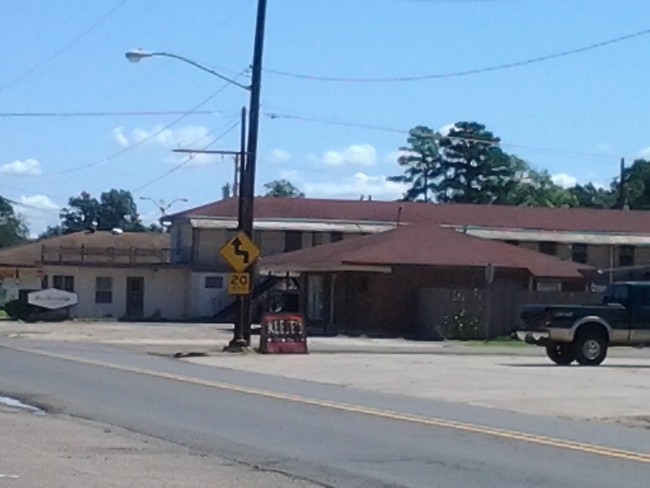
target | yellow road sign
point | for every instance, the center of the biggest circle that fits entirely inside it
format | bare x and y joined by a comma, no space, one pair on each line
239,283
240,252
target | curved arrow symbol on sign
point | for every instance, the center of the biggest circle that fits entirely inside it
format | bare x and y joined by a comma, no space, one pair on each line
237,244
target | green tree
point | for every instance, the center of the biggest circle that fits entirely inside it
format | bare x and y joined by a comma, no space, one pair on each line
422,164
51,231
81,212
13,228
637,185
282,189
475,169
118,209
114,209
533,188
590,196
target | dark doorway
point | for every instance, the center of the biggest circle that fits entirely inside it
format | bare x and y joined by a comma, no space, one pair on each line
135,297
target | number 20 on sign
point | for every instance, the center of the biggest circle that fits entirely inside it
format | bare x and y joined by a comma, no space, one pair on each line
239,283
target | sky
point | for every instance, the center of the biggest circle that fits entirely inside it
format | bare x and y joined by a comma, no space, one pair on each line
575,116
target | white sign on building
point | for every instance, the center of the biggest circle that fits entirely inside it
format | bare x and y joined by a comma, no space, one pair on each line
52,298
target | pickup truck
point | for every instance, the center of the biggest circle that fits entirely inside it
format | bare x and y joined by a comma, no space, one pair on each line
583,333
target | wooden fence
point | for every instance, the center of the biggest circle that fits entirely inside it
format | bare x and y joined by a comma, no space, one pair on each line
465,313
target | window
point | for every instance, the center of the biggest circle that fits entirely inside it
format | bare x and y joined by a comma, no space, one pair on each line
579,253
103,289
616,294
626,256
317,239
549,248
336,236
292,240
213,282
61,282
315,297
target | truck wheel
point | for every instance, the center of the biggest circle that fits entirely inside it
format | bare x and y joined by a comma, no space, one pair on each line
590,347
560,354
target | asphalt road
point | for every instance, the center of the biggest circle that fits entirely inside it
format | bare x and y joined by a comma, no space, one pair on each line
331,435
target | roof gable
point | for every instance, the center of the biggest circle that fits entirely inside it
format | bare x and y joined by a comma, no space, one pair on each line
426,245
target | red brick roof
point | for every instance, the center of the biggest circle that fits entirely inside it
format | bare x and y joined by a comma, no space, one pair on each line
502,216
30,253
425,245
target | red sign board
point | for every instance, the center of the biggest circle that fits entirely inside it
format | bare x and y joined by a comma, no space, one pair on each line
283,333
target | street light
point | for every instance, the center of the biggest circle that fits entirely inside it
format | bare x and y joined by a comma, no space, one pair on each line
135,55
247,191
162,206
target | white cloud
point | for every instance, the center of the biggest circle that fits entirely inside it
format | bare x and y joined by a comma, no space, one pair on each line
354,155
39,211
353,187
25,167
38,202
645,153
168,138
445,129
564,180
278,156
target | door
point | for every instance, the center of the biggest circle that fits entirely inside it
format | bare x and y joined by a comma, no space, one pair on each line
135,297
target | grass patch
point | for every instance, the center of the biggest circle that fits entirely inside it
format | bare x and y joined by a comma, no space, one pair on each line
3,314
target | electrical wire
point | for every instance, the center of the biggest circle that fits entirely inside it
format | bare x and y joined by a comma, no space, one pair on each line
455,74
141,113
186,160
358,125
67,46
141,142
31,207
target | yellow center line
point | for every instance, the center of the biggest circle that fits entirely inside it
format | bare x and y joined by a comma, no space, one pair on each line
376,412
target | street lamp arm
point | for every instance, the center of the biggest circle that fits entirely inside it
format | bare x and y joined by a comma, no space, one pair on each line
201,67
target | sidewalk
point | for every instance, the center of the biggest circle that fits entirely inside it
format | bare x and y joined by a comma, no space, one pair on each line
60,452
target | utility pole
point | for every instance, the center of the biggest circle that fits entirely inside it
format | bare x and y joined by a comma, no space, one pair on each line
236,155
248,214
622,188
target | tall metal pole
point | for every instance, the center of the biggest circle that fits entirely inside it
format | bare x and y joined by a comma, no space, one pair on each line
240,340
251,153
241,193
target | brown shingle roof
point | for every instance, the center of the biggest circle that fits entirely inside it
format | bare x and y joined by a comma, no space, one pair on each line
30,253
501,216
425,245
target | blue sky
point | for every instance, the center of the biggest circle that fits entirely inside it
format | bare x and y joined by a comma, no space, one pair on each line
575,116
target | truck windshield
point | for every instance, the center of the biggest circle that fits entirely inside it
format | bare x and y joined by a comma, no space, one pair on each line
616,294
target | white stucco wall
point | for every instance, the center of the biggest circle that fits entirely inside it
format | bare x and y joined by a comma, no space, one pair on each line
164,291
206,302
28,279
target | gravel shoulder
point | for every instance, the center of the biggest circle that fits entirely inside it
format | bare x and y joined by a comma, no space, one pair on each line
60,452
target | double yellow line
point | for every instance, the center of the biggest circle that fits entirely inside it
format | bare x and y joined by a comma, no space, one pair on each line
348,407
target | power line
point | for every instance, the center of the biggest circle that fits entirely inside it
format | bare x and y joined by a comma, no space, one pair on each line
141,142
186,160
32,207
454,74
68,45
140,113
359,125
